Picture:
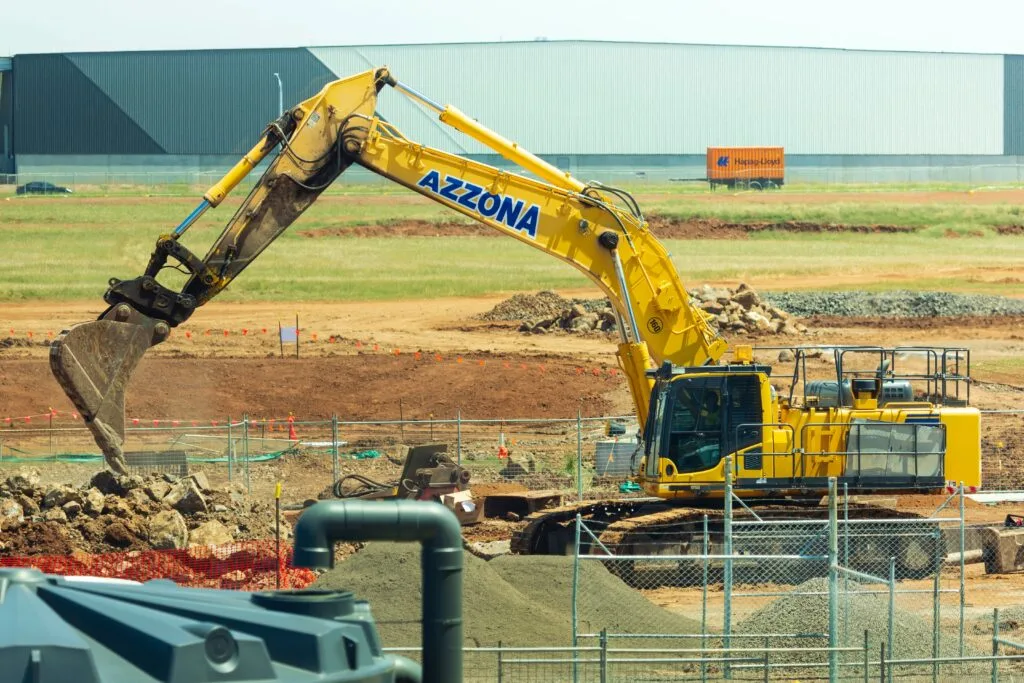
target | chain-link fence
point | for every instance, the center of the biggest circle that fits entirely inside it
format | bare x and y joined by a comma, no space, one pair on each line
573,458
181,182
681,593
826,589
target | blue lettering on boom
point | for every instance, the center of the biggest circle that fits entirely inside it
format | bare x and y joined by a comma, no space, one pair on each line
509,211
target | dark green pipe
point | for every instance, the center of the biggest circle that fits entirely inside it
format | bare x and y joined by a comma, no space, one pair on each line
436,528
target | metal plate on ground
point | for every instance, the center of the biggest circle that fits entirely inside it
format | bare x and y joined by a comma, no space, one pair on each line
614,457
521,503
164,462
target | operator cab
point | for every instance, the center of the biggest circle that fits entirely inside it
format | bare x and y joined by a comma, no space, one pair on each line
701,415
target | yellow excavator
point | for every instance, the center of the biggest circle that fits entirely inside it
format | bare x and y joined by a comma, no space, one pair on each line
882,430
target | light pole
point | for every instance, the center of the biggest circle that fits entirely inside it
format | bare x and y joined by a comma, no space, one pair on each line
280,95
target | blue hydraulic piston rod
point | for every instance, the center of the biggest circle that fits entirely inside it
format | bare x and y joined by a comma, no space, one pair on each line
191,218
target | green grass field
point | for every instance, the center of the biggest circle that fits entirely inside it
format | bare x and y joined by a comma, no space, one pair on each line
66,248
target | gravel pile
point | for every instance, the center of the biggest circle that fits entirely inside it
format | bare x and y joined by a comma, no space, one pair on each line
527,306
900,304
519,600
866,611
388,576
604,600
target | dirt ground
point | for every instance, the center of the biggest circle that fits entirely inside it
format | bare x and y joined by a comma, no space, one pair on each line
874,194
487,369
665,228
437,358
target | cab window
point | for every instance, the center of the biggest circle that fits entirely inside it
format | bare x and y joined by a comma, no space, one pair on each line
709,417
695,427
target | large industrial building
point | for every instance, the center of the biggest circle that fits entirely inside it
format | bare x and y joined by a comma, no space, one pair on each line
592,107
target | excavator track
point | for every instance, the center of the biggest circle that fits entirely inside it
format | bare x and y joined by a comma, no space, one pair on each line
650,527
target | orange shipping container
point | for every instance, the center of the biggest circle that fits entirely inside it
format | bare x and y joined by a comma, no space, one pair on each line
746,165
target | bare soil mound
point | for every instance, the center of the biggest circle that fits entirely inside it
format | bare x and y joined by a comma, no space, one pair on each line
668,227
359,387
713,228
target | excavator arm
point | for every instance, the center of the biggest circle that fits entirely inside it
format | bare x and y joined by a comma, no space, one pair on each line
599,230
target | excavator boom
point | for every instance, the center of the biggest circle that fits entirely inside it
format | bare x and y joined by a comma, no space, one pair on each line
599,230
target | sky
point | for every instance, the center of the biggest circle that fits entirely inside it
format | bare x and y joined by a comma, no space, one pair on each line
101,25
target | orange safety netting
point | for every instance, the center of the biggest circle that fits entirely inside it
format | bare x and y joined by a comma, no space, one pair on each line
245,565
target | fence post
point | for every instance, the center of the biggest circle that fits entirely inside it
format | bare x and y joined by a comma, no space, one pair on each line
995,645
833,580
334,449
245,450
727,565
704,602
936,606
231,448
604,656
892,608
881,663
500,662
963,582
458,435
579,454
865,656
401,420
277,528
846,563
575,600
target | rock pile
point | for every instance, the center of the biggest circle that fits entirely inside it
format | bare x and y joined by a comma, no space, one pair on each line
742,311
126,512
732,311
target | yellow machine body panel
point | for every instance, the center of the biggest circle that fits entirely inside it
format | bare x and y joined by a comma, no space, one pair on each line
786,450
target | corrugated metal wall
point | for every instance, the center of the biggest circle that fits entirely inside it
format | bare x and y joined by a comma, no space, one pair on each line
569,99
6,121
200,102
628,98
58,110
1013,96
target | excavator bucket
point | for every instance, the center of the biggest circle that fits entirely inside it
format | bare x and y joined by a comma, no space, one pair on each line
94,362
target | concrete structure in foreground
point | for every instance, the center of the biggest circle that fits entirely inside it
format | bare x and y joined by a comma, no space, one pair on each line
593,107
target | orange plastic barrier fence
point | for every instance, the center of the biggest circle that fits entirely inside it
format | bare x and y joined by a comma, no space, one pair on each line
245,565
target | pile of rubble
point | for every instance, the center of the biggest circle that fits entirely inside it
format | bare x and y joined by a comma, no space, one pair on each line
732,311
126,512
527,307
741,311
